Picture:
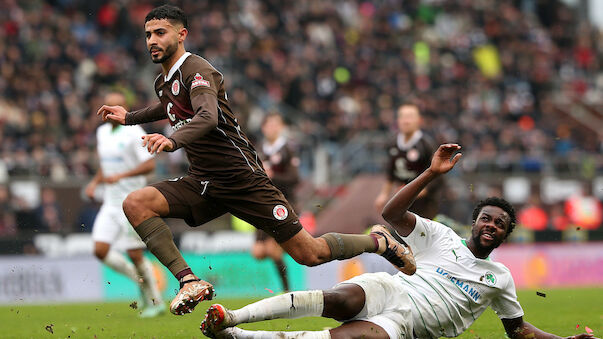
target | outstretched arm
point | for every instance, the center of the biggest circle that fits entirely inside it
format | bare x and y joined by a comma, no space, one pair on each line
395,211
148,114
91,187
519,329
141,116
143,168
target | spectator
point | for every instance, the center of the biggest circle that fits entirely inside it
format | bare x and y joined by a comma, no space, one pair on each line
8,226
49,212
533,216
584,211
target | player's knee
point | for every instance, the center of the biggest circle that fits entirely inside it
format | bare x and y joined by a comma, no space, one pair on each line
343,302
136,256
100,252
130,203
334,299
134,204
257,251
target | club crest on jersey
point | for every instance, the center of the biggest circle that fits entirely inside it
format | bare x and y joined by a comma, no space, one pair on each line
199,81
412,154
490,278
280,212
175,87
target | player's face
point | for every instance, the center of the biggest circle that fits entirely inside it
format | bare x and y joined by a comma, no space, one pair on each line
115,99
490,228
272,128
409,119
162,39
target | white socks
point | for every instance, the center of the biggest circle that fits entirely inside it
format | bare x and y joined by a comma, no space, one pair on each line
238,333
118,262
149,283
289,305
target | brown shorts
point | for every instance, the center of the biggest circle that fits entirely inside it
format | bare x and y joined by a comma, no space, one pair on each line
255,201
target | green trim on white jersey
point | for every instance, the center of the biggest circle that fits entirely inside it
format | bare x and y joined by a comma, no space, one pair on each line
443,261
465,243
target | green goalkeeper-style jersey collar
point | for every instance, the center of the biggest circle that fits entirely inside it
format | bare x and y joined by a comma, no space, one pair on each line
465,243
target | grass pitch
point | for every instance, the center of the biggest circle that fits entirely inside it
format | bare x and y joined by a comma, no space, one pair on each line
559,312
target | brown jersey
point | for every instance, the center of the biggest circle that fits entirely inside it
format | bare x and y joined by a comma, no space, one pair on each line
281,159
222,153
407,161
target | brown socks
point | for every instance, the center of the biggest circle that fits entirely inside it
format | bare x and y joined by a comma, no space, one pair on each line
282,272
345,246
158,237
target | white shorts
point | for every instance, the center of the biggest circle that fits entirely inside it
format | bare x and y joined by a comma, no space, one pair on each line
112,226
387,304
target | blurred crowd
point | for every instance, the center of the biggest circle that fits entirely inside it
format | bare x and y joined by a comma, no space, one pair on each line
485,73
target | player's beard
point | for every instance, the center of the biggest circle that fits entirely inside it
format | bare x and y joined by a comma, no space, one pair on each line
475,238
167,53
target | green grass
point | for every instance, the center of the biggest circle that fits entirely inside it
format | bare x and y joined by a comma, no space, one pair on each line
559,312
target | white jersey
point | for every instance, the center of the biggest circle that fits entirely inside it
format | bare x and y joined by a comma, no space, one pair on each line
452,287
120,150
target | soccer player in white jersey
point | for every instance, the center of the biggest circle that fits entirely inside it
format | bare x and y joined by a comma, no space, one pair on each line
454,283
123,164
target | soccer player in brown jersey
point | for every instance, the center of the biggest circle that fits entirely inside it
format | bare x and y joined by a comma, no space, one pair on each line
225,173
409,155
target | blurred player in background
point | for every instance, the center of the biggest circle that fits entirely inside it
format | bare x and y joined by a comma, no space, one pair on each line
123,165
409,155
226,174
455,281
282,167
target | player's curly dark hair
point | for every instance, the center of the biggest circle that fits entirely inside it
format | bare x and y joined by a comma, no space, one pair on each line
169,12
498,202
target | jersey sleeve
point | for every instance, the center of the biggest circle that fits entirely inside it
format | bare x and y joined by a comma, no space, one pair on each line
506,304
136,148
